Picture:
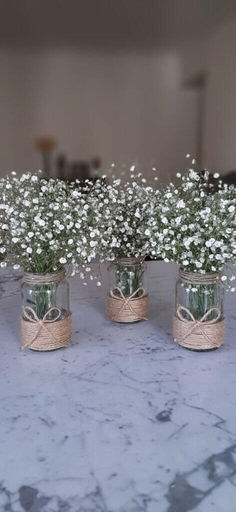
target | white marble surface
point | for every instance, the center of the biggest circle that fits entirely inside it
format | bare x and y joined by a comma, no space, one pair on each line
123,420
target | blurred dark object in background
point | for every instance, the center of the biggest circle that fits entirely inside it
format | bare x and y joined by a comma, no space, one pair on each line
96,164
61,167
46,145
230,178
79,170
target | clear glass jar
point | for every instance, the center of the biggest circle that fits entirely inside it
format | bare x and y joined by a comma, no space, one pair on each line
128,297
46,294
46,318
129,276
199,302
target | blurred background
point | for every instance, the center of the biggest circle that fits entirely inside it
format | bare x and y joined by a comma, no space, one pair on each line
85,83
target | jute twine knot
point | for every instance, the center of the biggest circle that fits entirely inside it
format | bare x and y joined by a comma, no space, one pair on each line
197,334
127,309
45,333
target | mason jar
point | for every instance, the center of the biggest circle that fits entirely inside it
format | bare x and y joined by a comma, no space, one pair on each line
199,313
46,317
128,296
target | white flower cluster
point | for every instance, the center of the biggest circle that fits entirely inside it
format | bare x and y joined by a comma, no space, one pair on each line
124,218
43,223
196,223
46,224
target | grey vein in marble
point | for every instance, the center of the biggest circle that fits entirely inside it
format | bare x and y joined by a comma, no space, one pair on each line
121,421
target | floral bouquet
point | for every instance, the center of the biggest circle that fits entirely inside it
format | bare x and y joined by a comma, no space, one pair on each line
197,230
44,226
125,218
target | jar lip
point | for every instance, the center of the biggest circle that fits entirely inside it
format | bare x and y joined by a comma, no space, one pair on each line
181,269
129,260
44,277
198,277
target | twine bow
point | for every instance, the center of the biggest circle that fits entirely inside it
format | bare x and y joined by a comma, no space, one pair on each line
30,314
198,323
127,301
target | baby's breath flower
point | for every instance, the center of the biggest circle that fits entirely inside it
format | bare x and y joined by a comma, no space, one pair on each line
37,219
126,216
199,229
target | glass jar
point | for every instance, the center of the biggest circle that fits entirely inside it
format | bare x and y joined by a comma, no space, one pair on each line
45,307
128,297
199,315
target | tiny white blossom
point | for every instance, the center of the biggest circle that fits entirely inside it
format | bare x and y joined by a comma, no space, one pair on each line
180,204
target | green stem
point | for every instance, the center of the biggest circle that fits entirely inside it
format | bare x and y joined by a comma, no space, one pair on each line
44,299
201,300
129,278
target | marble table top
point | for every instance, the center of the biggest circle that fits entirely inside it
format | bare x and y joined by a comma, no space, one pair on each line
121,421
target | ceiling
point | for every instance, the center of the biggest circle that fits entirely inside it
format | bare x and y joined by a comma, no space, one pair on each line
110,24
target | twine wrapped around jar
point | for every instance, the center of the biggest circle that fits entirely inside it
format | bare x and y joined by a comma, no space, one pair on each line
45,333
196,278
127,309
198,334
205,333
54,277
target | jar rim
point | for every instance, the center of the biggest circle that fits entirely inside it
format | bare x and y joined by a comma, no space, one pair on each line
198,277
44,277
129,260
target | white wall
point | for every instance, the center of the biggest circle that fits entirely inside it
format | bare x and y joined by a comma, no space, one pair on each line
216,58
123,107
